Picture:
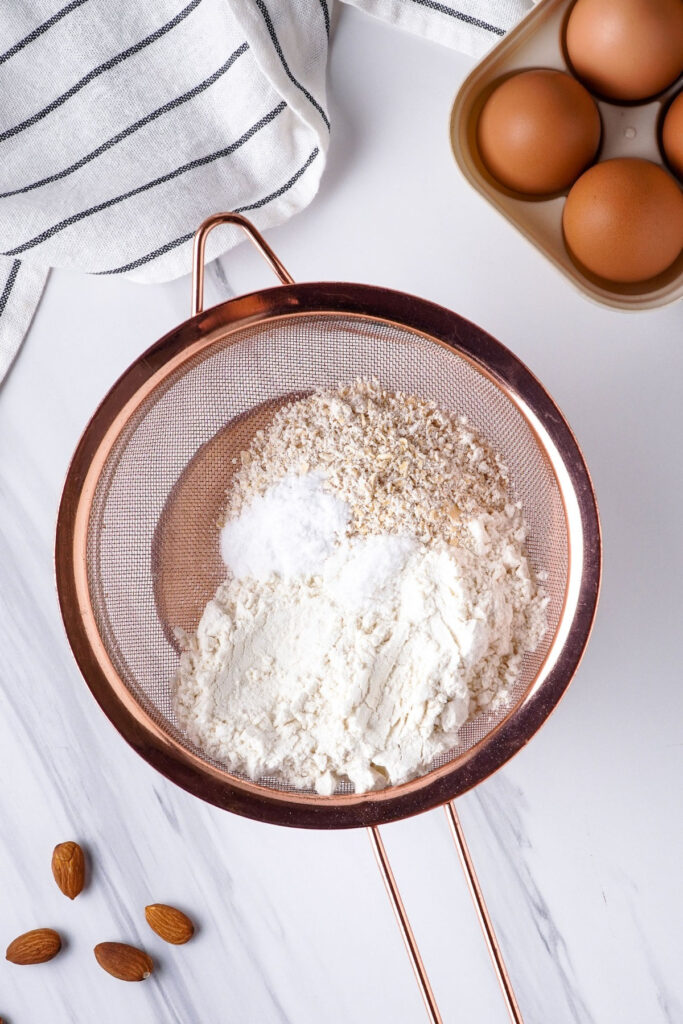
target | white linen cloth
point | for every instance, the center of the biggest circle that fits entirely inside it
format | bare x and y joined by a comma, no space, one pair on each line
123,125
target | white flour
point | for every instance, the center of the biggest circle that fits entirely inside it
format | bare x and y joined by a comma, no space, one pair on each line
366,671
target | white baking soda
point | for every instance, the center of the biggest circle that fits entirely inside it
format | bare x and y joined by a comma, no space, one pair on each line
290,530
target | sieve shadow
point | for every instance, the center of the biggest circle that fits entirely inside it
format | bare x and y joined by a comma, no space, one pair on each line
186,563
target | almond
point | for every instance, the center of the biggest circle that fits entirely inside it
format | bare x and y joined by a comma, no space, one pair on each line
124,962
35,947
68,867
169,923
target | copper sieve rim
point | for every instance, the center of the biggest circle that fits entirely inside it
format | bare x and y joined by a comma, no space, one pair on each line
169,756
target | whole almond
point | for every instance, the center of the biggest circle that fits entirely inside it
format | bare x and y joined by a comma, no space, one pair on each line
35,947
124,962
68,867
169,923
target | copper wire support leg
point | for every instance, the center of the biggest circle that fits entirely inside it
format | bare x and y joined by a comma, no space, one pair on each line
482,913
404,925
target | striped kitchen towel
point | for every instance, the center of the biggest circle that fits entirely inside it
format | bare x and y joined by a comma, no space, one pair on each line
123,125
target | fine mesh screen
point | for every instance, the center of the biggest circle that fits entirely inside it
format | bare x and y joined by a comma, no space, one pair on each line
153,556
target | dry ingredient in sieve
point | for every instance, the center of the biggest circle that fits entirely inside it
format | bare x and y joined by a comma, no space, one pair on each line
379,595
292,529
402,464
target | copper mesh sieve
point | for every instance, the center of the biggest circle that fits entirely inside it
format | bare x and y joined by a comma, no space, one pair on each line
137,539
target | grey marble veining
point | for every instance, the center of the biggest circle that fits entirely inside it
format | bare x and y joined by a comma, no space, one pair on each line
501,807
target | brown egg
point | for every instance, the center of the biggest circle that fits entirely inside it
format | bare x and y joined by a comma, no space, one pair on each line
538,131
623,220
672,135
626,49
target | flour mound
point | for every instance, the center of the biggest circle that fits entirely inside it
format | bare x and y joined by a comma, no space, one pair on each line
366,671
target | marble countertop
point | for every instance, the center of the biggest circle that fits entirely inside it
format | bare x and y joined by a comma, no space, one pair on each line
577,840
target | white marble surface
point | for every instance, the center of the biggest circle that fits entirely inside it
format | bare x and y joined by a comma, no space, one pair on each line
578,840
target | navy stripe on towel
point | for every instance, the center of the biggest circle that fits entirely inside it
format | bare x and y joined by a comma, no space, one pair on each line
240,209
276,43
100,70
192,165
37,32
171,105
460,16
9,285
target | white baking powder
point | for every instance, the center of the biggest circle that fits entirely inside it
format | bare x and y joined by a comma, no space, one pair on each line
290,530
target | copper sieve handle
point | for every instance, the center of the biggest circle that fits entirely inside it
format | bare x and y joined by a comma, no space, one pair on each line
482,913
404,925
200,244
